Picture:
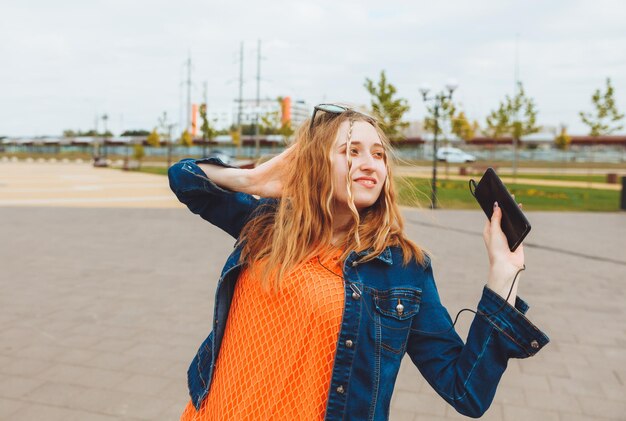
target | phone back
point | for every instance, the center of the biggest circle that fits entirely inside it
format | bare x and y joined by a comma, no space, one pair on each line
514,223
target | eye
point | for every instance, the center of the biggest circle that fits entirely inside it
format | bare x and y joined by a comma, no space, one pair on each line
354,151
379,155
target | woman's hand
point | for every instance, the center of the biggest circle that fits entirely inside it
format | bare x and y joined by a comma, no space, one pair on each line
266,180
503,264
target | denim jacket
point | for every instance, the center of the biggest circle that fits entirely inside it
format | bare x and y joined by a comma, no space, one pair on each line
389,310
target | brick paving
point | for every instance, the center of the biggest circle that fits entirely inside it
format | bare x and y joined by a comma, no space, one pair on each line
103,306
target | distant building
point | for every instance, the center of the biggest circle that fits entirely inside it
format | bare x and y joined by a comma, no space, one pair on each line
296,111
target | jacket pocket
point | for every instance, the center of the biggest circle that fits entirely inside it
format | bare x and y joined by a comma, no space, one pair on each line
393,312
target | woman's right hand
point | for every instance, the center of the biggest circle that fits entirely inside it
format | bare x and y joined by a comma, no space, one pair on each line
266,180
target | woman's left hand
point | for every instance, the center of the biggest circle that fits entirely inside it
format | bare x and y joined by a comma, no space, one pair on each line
503,264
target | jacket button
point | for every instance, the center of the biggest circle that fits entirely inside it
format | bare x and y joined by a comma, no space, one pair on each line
340,389
356,295
534,344
349,343
354,264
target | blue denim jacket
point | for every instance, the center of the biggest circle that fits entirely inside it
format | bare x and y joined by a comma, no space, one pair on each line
375,332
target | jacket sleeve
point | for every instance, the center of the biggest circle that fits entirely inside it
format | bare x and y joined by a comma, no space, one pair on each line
467,375
223,208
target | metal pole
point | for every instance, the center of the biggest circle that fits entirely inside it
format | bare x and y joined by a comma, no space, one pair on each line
240,108
188,119
257,140
433,199
105,118
206,115
169,145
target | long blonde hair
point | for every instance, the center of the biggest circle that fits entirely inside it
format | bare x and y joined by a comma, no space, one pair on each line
299,227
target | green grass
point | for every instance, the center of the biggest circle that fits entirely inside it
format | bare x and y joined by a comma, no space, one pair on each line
452,194
154,170
582,177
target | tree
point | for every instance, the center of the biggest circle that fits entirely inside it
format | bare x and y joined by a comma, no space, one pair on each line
386,109
138,153
154,139
135,133
186,139
516,117
443,123
208,133
604,121
235,135
462,128
90,133
563,139
272,123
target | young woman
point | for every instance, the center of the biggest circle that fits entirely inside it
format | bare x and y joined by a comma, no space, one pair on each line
323,293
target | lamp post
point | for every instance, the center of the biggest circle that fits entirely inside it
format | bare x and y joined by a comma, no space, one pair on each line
438,101
105,118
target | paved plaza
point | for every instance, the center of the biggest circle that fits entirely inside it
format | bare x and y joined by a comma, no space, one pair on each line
107,287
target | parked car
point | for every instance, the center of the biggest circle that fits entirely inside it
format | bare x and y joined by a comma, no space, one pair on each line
223,156
450,154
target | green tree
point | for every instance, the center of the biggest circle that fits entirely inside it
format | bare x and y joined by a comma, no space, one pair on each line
604,120
69,133
387,109
517,117
208,132
462,127
447,109
186,139
154,139
272,123
135,133
138,153
563,139
236,136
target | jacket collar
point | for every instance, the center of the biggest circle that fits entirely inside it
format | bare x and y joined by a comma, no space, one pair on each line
385,256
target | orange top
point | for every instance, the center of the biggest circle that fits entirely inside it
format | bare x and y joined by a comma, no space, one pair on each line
277,354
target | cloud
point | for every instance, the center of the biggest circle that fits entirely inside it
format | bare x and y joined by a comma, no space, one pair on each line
66,62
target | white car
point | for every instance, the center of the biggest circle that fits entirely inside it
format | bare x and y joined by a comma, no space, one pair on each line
449,154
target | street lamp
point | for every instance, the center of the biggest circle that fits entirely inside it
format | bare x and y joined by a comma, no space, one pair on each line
105,118
438,101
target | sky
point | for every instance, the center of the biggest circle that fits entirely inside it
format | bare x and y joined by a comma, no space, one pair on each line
64,63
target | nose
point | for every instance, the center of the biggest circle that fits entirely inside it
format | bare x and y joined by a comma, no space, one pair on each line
366,162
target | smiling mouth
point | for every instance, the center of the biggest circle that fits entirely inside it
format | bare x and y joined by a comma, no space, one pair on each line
365,182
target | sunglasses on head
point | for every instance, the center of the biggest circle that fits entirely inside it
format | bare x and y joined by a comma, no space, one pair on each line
334,109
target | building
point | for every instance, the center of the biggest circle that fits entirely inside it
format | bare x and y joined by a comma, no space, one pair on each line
296,111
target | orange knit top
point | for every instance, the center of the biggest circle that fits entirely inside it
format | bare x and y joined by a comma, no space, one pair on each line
277,354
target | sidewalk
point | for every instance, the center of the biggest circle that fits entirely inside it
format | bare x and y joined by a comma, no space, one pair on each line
104,304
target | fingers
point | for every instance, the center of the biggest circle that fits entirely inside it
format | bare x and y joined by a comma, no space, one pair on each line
496,218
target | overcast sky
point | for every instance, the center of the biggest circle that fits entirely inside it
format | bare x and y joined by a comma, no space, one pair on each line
64,62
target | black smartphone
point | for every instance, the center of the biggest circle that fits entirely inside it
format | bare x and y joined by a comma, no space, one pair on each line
491,189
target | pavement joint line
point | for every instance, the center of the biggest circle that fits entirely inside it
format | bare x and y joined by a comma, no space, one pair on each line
529,245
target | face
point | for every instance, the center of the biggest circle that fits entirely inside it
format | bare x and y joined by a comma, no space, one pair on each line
369,170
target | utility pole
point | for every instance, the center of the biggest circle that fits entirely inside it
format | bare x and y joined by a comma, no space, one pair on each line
105,118
257,140
516,75
181,96
206,111
96,147
188,119
240,100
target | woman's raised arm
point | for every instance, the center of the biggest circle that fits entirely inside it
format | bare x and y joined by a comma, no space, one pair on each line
266,180
224,195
